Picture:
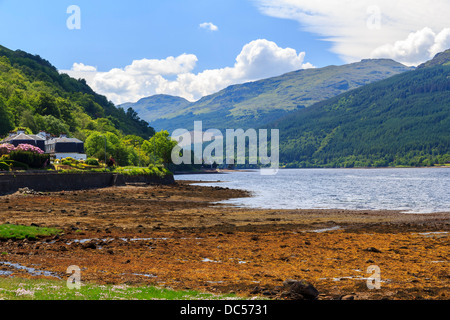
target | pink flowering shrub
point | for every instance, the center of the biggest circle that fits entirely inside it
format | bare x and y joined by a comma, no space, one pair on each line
30,155
6,148
29,148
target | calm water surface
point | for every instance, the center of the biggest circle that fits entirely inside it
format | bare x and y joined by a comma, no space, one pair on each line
408,190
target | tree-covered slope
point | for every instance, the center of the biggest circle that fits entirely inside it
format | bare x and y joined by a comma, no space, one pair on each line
403,120
35,95
252,104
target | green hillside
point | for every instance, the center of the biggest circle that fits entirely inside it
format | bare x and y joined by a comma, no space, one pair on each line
403,120
34,95
256,103
157,107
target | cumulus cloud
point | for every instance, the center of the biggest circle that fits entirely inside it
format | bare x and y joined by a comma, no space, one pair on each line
209,26
81,67
258,59
357,28
417,47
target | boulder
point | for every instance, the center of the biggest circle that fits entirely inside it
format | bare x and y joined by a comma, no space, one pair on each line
299,290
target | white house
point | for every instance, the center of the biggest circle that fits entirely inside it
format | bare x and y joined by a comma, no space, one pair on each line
64,147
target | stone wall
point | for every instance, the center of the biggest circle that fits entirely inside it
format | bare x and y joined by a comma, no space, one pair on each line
49,182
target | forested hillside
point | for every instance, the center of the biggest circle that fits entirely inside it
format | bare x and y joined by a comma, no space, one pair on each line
34,95
403,120
253,104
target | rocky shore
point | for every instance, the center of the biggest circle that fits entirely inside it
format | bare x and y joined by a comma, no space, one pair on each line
177,236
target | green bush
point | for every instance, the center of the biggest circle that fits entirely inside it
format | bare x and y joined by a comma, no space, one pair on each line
17,165
4,166
92,162
31,159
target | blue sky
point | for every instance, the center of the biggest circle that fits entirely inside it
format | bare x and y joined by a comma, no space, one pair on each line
113,33
131,49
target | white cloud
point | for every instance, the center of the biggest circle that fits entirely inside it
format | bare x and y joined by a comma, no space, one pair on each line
81,67
209,26
358,27
258,59
416,48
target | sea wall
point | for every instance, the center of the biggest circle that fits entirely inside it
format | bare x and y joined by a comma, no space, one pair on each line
50,182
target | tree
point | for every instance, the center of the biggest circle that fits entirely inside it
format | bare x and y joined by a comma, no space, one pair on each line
5,120
28,120
97,147
51,125
46,105
160,147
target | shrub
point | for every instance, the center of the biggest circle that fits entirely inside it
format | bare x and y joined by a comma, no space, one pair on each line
6,148
92,162
29,148
111,162
17,165
4,166
69,161
33,160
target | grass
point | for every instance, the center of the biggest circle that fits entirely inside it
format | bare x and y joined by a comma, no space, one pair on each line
153,170
32,289
15,232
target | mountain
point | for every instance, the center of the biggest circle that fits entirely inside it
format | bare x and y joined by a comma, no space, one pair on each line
256,103
403,120
157,106
441,59
34,94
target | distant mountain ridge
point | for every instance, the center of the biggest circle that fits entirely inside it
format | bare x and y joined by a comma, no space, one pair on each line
400,121
441,59
256,103
158,106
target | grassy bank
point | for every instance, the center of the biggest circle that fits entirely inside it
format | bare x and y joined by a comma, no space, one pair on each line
26,289
15,232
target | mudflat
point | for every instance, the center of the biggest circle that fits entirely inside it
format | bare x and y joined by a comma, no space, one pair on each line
177,236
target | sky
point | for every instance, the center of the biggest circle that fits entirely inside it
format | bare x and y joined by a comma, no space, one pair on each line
128,50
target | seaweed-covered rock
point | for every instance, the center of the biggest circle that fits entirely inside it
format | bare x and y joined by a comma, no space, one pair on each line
299,290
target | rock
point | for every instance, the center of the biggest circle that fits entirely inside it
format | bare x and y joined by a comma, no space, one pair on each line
256,290
302,288
372,249
90,245
291,296
348,297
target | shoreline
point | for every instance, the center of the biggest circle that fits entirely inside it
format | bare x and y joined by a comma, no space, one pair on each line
179,238
322,168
